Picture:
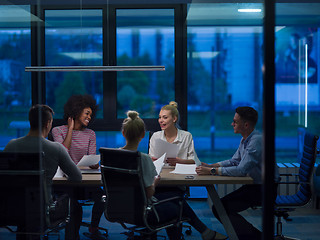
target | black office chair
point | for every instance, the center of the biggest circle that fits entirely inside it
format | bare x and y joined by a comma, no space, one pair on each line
126,201
316,186
287,203
24,202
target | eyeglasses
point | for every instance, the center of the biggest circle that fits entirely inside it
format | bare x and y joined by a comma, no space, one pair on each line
236,121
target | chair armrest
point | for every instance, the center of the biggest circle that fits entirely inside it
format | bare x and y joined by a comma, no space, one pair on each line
289,183
104,198
289,174
167,200
152,207
294,183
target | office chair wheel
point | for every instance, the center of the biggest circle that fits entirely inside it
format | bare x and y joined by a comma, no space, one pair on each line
136,237
188,232
99,236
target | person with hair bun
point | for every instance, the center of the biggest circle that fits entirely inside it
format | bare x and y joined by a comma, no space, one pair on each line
133,129
171,133
79,140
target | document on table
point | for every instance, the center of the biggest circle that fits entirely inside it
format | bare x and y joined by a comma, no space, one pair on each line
89,160
59,173
159,163
185,169
164,147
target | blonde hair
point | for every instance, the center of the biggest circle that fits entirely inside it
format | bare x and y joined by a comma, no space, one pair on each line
173,107
133,126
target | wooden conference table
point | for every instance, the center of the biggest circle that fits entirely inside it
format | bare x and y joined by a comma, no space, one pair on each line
170,179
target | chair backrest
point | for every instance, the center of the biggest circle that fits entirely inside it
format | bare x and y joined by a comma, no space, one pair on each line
122,178
22,201
316,181
307,162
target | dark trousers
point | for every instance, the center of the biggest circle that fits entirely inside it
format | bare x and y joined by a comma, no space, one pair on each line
237,201
94,193
187,212
98,207
73,227
58,214
166,212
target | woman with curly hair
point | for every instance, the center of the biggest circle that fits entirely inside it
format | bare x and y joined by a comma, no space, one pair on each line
79,111
79,140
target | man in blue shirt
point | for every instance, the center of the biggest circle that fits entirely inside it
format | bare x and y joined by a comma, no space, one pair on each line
246,161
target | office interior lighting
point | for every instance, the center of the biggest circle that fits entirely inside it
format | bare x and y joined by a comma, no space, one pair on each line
93,68
249,10
306,88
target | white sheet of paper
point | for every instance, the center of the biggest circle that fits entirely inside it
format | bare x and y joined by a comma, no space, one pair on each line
185,169
88,160
196,159
159,163
165,147
59,173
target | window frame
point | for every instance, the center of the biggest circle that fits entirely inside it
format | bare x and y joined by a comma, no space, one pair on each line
110,122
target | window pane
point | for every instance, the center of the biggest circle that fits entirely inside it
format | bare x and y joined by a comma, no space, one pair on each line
297,85
73,38
115,139
224,72
15,84
145,37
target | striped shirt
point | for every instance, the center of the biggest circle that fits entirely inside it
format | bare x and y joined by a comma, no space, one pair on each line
83,142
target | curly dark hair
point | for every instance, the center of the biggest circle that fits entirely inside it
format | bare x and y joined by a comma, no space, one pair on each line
75,105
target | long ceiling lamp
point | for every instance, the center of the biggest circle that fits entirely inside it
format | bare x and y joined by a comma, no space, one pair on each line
93,68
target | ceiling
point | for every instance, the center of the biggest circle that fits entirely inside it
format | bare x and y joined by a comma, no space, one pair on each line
199,14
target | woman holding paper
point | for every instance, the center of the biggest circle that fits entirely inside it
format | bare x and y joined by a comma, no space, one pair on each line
171,133
79,140
133,129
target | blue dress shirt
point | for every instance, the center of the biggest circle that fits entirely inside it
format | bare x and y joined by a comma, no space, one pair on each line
247,160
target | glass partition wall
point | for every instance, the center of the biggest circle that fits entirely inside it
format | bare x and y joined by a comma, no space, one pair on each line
15,84
222,49
212,51
73,37
145,37
297,85
224,72
225,53
220,75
